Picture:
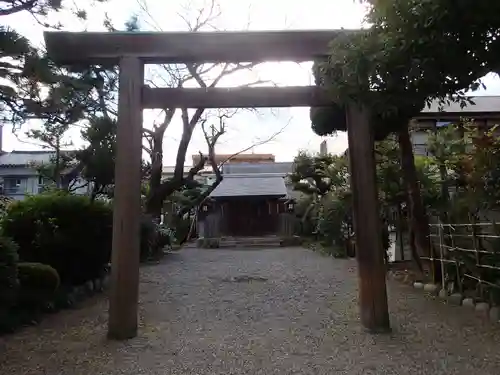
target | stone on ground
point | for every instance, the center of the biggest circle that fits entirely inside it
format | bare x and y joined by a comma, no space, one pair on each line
431,288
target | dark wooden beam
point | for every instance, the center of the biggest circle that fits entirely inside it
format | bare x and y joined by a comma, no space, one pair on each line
235,97
124,294
189,47
367,225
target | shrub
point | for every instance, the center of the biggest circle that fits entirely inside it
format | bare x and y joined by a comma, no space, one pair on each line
4,204
154,238
165,236
148,228
8,272
68,232
8,282
38,284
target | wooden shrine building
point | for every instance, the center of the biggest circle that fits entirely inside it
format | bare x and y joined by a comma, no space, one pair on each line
253,199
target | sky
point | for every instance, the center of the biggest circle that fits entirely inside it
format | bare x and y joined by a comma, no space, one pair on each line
246,127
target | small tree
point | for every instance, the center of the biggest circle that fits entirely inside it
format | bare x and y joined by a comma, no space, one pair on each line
323,180
98,158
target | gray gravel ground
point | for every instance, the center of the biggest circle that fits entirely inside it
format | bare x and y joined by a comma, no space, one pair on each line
202,313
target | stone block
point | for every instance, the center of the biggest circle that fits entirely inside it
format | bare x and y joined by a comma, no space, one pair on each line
456,299
431,288
495,314
483,310
468,302
443,293
418,285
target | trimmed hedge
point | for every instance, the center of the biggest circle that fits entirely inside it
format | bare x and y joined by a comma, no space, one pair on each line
38,284
68,232
8,273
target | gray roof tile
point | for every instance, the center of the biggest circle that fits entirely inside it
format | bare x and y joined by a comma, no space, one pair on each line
24,158
252,184
481,104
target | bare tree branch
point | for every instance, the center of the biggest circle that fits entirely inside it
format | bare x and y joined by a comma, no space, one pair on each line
259,143
212,138
204,75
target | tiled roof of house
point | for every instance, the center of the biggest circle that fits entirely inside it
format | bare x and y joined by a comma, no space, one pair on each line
24,158
169,169
244,168
251,184
256,158
481,104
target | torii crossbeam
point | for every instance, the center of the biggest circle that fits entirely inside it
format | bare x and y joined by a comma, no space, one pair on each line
131,50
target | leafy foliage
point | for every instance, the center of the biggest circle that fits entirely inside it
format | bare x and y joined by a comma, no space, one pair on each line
470,155
16,54
8,273
442,33
314,174
98,159
48,228
408,57
38,285
4,204
154,238
328,120
325,207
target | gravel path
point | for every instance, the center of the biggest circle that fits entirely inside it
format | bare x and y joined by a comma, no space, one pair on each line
276,311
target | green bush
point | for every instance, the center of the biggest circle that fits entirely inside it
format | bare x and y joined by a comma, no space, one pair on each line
154,238
148,229
4,204
38,284
68,232
8,273
165,236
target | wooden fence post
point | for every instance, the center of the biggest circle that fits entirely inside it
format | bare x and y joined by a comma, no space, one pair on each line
369,251
124,292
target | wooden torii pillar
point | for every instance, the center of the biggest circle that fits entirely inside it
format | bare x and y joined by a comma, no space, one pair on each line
131,51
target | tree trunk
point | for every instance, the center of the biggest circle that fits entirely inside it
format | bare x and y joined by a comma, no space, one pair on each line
400,232
445,200
416,207
445,193
200,199
159,190
153,204
418,217
57,166
158,194
155,200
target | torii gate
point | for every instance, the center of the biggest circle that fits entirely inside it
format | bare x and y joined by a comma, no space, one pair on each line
131,50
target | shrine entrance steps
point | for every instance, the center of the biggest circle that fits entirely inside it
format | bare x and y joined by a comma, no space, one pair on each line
250,242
